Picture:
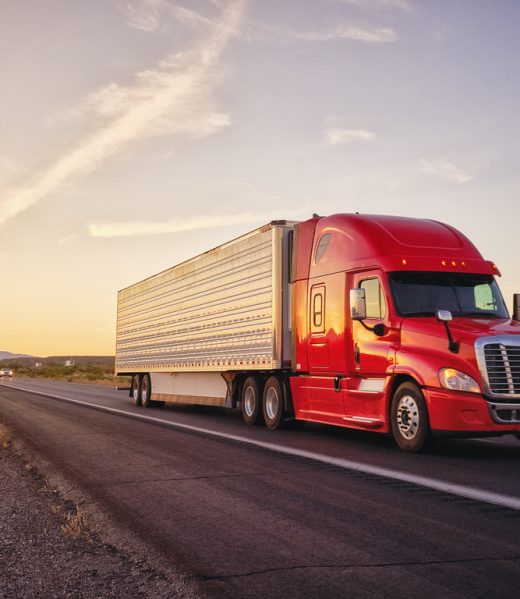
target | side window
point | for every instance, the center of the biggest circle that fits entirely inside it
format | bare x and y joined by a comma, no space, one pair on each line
322,246
318,309
375,298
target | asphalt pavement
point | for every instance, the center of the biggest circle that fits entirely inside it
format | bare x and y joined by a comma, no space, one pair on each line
246,521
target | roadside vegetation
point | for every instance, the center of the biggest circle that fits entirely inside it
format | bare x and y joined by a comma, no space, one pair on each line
91,369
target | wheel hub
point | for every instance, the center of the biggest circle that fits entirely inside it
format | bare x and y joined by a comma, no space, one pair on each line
249,401
271,403
408,417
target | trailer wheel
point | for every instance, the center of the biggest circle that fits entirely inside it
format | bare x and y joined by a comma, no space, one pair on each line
136,390
273,403
146,391
251,401
409,416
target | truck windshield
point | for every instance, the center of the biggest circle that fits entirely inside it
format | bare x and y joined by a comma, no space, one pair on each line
422,294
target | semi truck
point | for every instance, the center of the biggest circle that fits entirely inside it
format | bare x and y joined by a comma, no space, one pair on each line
381,323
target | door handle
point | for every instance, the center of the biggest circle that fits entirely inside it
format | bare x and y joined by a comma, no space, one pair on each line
357,354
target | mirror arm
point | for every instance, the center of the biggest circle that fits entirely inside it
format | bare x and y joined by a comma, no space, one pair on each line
378,329
453,346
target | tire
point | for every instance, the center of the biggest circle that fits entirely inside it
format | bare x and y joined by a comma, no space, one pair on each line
410,422
251,401
273,403
136,390
146,391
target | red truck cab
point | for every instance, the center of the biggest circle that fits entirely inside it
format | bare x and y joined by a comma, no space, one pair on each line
399,327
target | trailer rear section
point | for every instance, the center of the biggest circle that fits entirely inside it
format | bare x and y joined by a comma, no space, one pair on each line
213,330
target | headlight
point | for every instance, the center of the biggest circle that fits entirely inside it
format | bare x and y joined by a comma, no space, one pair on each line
458,381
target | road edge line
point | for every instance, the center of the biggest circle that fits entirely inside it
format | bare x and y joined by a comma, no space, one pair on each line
480,495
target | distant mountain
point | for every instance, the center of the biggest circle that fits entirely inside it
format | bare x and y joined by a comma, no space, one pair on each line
29,361
6,355
80,360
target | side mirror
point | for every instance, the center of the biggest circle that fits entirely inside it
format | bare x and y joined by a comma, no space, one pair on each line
358,304
516,306
444,316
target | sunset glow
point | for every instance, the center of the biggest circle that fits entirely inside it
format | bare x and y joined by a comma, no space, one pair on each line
138,134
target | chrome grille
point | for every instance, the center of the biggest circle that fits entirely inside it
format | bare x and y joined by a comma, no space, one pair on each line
503,368
499,361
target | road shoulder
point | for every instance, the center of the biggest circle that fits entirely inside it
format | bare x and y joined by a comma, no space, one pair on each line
48,549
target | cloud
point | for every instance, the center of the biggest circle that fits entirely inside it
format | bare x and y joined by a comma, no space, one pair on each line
370,36
342,33
147,15
442,168
172,99
176,225
337,136
195,223
67,239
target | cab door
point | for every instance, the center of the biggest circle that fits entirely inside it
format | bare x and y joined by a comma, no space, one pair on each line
325,403
372,355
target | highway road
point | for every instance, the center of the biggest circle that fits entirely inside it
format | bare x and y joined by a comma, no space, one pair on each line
250,512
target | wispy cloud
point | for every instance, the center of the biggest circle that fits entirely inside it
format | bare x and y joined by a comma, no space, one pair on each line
367,35
174,98
337,136
67,239
176,225
442,168
209,221
339,130
147,15
370,35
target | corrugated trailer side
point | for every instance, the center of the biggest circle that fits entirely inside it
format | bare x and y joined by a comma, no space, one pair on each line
224,310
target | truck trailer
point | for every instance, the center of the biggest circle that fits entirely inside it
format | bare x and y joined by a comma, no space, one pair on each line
381,323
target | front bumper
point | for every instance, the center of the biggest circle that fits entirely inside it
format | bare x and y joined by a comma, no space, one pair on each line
470,413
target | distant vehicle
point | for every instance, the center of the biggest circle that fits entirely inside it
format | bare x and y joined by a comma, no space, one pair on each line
6,372
382,323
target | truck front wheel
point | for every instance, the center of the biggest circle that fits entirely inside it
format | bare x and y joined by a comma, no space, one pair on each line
136,390
273,403
410,422
251,401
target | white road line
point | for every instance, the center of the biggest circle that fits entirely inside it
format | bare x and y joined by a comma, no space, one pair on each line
422,481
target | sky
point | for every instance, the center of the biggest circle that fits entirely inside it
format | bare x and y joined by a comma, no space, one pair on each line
139,133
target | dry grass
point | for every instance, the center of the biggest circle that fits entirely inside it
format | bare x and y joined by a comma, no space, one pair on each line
5,437
75,526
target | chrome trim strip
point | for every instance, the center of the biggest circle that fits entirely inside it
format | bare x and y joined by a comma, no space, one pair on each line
371,385
507,368
364,421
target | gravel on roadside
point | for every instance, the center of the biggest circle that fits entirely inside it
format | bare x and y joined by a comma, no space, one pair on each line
48,551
